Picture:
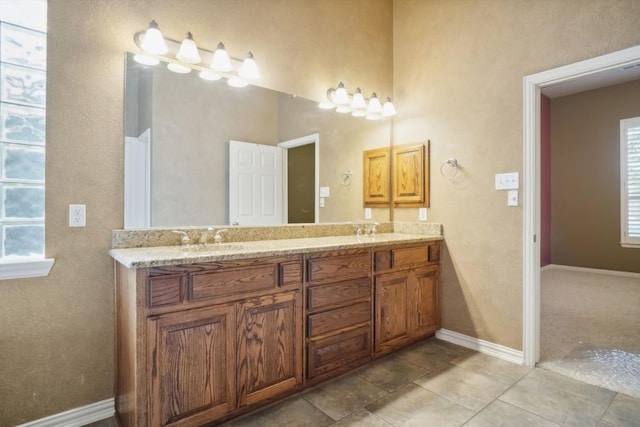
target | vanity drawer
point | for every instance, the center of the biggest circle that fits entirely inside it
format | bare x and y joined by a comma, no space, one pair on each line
232,281
335,294
166,289
325,269
407,257
340,318
338,351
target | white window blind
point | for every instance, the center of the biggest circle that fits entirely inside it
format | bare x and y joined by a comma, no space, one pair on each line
630,181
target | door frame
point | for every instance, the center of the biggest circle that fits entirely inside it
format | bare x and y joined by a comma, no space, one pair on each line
314,138
533,85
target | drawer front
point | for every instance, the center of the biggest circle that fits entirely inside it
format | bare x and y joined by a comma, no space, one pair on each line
342,267
334,320
403,257
322,296
234,281
338,351
166,289
406,257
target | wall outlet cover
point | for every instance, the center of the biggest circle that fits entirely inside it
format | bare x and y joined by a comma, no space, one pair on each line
422,214
322,202
367,213
512,198
77,216
507,181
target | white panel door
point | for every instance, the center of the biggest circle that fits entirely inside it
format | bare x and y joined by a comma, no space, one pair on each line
255,184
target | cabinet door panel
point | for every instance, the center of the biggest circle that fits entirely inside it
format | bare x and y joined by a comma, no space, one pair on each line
392,326
269,336
192,359
424,314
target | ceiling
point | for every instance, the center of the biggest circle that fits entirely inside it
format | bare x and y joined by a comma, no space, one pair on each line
597,80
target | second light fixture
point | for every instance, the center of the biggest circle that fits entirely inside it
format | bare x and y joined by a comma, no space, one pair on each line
356,104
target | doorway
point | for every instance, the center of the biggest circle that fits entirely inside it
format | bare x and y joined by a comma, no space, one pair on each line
586,74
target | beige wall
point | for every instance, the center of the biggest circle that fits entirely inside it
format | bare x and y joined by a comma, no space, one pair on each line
56,333
458,69
585,178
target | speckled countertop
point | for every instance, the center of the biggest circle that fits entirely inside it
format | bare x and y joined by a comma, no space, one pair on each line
141,257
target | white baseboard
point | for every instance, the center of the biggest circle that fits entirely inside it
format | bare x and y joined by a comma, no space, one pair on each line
591,270
486,347
77,417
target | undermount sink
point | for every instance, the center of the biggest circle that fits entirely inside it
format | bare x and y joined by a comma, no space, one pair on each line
211,247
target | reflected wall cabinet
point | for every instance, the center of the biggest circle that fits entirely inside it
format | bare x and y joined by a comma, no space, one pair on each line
376,177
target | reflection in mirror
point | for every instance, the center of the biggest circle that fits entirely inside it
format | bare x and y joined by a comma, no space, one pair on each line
181,171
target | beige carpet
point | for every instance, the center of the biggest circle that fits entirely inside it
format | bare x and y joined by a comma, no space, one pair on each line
590,328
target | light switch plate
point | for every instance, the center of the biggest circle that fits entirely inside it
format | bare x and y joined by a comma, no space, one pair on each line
512,198
367,213
422,214
507,181
324,191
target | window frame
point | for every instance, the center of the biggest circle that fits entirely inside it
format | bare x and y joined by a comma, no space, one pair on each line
626,240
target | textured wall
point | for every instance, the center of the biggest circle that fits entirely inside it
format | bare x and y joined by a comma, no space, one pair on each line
585,178
458,70
56,333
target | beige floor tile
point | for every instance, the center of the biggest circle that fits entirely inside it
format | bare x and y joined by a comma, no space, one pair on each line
467,388
344,395
623,411
559,399
361,418
433,354
392,372
500,370
294,412
501,414
415,406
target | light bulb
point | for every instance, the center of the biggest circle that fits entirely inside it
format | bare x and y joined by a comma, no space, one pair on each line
388,109
189,51
341,97
249,69
221,61
153,42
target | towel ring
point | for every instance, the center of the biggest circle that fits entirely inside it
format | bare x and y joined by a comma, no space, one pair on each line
452,163
346,179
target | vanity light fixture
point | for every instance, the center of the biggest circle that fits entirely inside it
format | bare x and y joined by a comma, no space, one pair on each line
188,56
356,104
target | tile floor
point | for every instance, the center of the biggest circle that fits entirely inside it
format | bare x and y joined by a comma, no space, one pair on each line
435,383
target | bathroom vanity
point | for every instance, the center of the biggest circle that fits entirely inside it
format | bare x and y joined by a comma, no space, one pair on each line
208,333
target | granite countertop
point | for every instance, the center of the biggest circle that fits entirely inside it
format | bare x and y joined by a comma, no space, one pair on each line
174,255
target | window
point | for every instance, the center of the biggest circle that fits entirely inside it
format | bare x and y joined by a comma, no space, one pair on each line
630,181
23,77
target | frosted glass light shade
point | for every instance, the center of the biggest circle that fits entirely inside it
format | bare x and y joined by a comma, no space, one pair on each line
344,109
189,51
358,102
153,43
209,75
374,106
326,105
249,69
143,59
388,109
374,116
221,61
236,82
359,113
341,97
178,68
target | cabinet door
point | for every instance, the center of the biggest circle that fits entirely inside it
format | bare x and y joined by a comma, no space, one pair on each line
424,316
391,324
269,346
376,177
410,175
191,358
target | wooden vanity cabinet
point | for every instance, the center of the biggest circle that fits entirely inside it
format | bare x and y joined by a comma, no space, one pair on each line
407,295
338,312
200,342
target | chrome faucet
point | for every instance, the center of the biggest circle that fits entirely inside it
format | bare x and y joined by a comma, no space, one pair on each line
184,238
204,237
217,239
373,228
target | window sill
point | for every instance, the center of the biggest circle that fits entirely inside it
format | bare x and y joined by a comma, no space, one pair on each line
23,269
630,245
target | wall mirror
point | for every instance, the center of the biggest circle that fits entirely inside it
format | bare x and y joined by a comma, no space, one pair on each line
178,133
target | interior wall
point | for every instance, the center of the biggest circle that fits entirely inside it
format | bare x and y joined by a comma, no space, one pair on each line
458,71
301,183
56,332
585,170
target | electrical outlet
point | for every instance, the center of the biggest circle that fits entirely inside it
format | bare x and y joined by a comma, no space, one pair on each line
77,216
322,202
422,214
367,213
